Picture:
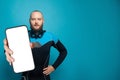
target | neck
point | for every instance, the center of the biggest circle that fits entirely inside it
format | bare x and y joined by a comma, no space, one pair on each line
37,33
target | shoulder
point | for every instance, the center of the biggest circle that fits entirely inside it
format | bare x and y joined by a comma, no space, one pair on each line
49,33
53,36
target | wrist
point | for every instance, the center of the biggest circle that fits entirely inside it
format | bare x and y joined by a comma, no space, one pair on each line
52,67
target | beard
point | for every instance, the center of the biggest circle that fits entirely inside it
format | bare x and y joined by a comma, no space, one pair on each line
34,29
36,33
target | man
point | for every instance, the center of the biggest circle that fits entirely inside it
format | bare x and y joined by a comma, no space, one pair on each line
41,41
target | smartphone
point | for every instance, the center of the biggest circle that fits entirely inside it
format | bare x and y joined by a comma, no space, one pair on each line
19,43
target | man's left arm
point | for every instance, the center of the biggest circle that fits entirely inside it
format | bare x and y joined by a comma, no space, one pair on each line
62,54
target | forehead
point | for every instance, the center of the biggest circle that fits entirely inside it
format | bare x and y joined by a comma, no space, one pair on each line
36,15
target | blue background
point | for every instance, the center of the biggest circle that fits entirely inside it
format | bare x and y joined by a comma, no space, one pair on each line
90,30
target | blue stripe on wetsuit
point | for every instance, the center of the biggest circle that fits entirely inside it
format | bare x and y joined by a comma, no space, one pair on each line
47,36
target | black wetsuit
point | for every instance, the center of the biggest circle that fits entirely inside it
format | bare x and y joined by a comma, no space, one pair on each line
41,52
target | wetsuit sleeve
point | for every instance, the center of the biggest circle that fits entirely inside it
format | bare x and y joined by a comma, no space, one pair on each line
62,53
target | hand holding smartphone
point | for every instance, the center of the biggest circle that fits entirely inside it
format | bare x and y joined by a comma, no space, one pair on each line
18,42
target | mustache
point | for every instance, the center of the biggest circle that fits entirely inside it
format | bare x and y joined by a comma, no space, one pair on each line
36,24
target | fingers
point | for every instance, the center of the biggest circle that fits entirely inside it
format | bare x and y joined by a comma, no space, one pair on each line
5,41
32,45
45,69
5,44
9,58
8,52
48,70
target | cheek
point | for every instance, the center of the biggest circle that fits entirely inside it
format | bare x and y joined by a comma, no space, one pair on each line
32,22
41,22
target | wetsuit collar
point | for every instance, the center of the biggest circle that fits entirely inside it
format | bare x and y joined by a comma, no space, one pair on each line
36,34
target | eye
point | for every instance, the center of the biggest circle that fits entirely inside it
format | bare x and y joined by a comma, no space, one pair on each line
32,19
39,19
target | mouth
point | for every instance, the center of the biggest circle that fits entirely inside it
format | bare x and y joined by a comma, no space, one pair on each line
36,25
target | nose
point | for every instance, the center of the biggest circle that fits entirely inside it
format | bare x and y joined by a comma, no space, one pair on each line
36,21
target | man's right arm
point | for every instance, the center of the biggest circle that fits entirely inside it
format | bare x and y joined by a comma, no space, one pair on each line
9,52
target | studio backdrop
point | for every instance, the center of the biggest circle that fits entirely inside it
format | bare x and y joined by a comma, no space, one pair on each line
90,30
